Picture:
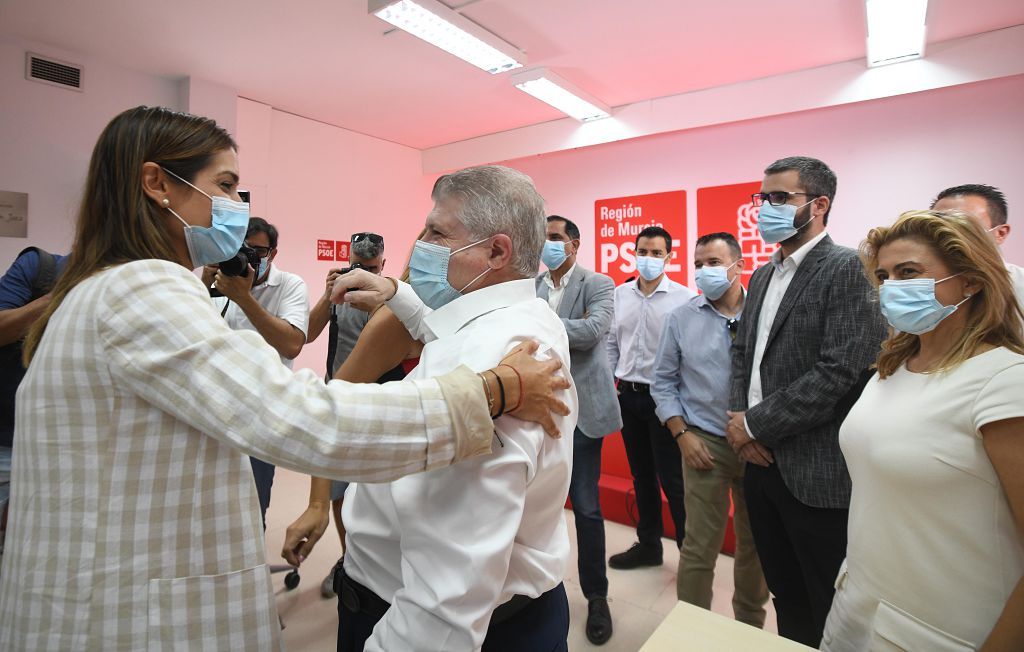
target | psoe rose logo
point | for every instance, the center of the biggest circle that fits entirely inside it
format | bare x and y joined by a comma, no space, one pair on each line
755,250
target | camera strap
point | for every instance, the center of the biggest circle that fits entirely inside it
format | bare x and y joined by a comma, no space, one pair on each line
225,311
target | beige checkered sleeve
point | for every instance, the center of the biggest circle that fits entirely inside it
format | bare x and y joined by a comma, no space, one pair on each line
168,346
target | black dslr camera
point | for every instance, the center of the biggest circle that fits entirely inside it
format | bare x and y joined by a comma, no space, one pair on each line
238,265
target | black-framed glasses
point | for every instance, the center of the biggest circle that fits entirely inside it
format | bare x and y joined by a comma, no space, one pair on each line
372,237
776,198
733,325
262,252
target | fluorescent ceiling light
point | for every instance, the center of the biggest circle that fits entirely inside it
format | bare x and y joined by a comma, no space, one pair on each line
451,31
896,30
548,87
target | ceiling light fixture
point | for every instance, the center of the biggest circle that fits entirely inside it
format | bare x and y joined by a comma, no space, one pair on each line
896,30
548,87
451,31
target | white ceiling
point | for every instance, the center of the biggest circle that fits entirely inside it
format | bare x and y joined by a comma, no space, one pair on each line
331,61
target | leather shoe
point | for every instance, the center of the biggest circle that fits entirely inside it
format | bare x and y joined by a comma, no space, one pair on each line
599,621
635,557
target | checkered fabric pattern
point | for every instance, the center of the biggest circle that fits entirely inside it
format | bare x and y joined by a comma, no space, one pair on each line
134,520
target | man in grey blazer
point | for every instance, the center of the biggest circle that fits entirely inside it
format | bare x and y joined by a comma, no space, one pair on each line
809,333
583,299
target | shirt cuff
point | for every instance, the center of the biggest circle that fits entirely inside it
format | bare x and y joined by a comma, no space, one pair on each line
405,302
472,427
746,425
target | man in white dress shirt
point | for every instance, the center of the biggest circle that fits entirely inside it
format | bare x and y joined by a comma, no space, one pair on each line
987,205
472,556
641,307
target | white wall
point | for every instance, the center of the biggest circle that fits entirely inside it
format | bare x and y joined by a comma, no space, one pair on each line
314,180
890,155
47,135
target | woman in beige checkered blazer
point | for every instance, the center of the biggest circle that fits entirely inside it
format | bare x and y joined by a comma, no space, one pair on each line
134,522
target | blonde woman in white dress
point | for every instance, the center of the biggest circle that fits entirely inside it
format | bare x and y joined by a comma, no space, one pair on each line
935,448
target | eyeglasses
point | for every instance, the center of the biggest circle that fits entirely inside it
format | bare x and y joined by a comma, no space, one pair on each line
777,198
262,252
732,324
372,237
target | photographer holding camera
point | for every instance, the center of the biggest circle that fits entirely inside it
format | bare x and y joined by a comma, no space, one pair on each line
275,305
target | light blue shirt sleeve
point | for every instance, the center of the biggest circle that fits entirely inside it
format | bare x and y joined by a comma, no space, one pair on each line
668,372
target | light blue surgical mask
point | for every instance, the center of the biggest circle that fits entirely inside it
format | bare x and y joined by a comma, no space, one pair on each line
776,222
264,264
650,267
229,220
553,254
910,305
428,273
714,281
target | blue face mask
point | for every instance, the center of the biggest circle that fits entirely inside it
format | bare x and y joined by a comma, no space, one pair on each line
714,281
229,220
553,254
650,267
264,264
428,273
910,306
776,222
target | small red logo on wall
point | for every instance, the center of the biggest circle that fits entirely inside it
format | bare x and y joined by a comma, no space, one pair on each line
730,209
325,249
341,251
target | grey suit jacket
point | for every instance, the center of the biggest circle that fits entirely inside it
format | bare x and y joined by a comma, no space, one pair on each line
586,310
826,335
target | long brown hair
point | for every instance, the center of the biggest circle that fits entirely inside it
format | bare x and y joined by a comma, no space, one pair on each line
993,315
117,223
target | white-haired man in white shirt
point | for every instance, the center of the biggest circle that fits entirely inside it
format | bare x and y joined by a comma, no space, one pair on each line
470,557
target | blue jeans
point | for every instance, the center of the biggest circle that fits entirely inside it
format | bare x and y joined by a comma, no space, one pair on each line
586,508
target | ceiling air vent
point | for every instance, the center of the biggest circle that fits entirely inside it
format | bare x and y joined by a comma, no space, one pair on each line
53,72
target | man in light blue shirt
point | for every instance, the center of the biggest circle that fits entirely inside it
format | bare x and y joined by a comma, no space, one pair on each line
641,307
691,390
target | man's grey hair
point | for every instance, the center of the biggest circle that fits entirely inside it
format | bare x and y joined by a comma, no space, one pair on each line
366,249
499,200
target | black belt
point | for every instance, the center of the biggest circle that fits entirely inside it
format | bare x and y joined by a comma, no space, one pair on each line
639,388
356,598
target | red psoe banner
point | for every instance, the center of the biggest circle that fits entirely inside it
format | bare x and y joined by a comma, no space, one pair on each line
730,209
617,222
325,249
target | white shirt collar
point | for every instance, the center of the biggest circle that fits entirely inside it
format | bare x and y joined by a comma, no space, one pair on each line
663,286
565,279
448,319
793,261
273,277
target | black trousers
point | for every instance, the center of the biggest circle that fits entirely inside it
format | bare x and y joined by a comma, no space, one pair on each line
263,475
654,459
801,549
541,626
